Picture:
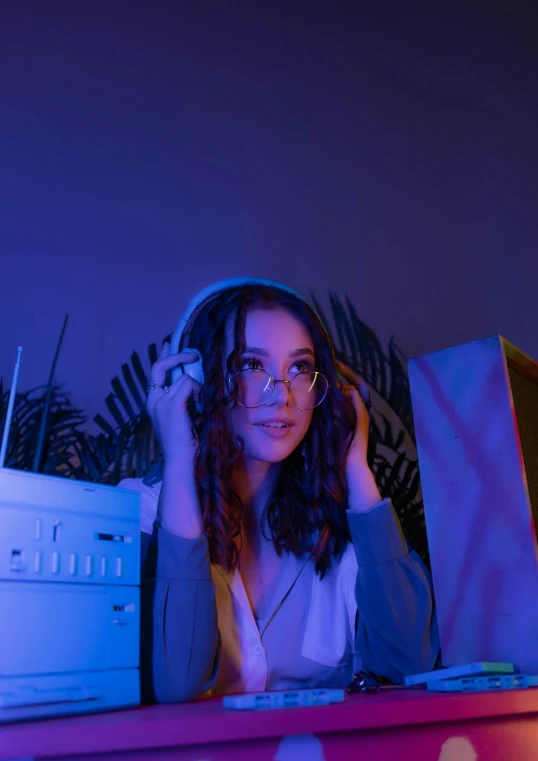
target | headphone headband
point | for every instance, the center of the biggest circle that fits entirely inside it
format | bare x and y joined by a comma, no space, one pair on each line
211,290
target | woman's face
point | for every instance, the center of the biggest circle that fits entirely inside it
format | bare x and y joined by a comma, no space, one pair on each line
279,343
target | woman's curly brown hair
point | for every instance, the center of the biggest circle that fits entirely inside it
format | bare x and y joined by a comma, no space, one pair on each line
307,511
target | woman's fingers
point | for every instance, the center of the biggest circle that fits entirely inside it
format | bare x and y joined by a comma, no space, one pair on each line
167,361
179,392
363,419
350,375
356,398
182,388
353,378
352,392
157,378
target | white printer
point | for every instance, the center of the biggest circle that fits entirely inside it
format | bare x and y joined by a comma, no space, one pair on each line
69,596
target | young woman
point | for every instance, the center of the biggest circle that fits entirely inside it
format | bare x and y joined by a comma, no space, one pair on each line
270,560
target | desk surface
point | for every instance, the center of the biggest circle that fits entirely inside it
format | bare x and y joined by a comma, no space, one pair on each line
206,722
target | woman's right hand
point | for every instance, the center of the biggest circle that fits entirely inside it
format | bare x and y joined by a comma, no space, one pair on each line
167,409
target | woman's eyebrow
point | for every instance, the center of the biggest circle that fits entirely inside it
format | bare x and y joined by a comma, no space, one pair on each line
264,353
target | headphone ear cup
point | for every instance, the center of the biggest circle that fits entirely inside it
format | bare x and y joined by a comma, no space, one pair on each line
193,369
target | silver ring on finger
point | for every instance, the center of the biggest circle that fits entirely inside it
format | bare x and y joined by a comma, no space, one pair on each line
166,389
152,383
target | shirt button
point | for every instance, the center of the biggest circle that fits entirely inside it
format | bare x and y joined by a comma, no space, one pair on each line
259,650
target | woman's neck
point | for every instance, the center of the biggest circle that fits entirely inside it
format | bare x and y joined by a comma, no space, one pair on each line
253,481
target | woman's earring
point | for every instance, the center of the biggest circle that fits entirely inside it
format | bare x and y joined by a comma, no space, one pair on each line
230,383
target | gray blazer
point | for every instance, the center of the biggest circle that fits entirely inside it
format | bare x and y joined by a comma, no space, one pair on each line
314,634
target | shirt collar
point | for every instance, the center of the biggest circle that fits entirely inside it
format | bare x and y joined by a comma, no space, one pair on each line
291,568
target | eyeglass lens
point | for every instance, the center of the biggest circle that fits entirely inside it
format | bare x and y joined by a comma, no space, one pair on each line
255,387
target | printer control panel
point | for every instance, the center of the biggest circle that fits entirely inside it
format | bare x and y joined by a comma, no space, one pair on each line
68,547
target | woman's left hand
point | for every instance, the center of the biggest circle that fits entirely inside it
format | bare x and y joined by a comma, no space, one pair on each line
363,490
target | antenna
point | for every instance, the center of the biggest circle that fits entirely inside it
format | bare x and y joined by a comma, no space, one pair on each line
10,405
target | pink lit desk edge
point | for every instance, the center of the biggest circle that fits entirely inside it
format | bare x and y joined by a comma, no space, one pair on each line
206,723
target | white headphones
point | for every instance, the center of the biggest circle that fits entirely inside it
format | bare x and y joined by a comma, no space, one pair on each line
195,369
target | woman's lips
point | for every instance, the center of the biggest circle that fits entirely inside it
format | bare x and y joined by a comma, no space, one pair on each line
277,432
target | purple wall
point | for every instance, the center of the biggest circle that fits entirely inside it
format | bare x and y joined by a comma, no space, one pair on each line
373,148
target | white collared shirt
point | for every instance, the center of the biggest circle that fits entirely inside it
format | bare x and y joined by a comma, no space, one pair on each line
373,609
307,637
